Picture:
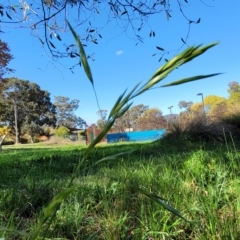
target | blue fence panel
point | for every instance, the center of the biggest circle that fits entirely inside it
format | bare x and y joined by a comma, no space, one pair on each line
136,136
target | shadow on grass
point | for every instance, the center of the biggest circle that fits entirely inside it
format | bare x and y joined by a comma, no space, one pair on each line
29,179
58,164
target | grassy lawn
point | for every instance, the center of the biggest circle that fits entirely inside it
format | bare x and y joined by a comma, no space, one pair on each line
201,180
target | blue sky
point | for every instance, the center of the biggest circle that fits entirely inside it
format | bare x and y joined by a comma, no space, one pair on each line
120,64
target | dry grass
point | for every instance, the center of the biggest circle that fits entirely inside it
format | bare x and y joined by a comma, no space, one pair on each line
201,127
232,115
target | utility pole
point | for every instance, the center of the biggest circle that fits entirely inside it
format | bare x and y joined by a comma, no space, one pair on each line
170,110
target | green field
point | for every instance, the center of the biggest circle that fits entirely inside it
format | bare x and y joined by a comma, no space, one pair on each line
201,180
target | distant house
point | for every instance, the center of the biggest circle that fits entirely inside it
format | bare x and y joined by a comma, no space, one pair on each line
76,130
76,134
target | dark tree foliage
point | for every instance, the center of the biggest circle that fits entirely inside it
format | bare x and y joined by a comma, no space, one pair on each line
24,103
46,20
5,58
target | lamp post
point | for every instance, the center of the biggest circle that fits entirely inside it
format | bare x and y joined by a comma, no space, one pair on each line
170,110
200,94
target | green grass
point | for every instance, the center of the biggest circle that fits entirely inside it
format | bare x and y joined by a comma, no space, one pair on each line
201,180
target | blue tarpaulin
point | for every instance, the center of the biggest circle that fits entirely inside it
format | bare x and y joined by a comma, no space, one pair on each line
149,135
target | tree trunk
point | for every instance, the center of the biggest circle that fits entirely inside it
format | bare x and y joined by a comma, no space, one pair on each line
16,120
1,141
31,138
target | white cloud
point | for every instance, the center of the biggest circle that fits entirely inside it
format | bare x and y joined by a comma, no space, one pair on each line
119,52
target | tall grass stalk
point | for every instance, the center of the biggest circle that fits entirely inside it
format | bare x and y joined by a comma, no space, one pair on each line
120,107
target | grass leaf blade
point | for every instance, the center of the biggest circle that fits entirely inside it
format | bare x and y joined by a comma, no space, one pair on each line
82,54
50,209
162,202
113,157
190,79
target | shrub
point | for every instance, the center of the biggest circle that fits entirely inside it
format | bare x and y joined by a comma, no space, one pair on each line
62,131
36,139
232,115
24,139
200,128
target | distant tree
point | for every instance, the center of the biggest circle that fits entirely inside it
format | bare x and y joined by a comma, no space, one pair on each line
212,104
31,129
5,58
65,109
213,99
119,126
102,114
134,114
103,118
234,98
196,108
130,118
62,131
185,105
233,87
23,102
152,119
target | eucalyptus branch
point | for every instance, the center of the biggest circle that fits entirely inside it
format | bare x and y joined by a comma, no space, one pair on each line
45,27
48,18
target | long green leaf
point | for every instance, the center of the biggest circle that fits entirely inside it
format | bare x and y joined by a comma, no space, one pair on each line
82,54
114,108
190,79
13,231
50,209
200,51
121,104
121,111
120,107
182,58
105,130
113,157
162,202
92,236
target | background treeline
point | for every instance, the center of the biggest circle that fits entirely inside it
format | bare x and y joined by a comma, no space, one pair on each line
28,115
